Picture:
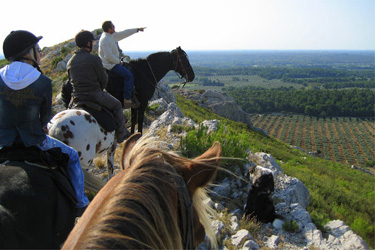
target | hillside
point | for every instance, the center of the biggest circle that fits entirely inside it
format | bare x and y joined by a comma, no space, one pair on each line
337,192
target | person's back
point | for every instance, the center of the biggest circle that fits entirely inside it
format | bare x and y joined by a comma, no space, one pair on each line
86,72
25,105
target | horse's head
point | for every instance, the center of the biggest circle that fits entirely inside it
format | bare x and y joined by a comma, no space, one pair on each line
190,179
182,65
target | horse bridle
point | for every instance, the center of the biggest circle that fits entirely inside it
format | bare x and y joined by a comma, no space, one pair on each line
177,62
185,213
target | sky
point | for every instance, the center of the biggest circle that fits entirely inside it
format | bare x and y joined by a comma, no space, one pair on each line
202,24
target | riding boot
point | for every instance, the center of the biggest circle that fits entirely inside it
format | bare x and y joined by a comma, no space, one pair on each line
132,103
122,135
136,101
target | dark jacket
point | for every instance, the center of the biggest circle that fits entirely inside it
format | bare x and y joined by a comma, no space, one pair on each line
24,112
86,72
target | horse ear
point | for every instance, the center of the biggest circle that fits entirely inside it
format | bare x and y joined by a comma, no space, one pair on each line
128,145
199,175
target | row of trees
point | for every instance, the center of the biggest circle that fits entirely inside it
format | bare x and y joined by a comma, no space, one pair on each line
208,82
356,84
321,103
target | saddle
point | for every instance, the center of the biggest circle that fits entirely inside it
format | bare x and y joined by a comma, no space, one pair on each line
115,85
52,161
102,115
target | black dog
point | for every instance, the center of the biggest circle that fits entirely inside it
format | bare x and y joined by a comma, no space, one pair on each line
259,202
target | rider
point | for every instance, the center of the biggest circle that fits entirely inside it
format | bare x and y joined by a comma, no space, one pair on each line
89,78
26,103
109,52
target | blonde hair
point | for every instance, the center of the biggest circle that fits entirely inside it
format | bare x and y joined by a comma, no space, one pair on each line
29,57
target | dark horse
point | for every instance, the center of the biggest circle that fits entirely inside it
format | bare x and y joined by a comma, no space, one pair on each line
147,73
35,212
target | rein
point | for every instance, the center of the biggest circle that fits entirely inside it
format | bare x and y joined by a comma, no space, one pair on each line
185,213
149,65
178,61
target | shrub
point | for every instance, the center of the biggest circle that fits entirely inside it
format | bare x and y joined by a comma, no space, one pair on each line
291,226
55,61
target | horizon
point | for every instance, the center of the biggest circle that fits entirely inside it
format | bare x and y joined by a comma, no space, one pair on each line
205,25
254,50
244,51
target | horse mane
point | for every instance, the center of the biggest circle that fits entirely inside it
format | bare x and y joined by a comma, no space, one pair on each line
143,63
147,214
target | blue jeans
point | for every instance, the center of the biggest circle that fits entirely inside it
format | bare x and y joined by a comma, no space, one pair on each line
128,80
74,168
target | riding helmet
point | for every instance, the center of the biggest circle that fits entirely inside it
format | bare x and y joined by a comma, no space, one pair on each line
18,43
83,37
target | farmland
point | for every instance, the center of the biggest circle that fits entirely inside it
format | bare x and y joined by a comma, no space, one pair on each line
340,139
308,89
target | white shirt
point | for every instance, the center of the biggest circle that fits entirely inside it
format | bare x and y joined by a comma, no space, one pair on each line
109,50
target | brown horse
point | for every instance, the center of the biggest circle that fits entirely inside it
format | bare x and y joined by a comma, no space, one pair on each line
156,202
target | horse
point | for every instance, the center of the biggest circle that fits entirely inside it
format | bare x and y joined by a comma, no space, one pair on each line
155,202
81,131
147,73
35,212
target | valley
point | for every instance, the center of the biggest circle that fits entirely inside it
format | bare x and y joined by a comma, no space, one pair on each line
267,82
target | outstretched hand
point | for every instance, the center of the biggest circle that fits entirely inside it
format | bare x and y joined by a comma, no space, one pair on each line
142,29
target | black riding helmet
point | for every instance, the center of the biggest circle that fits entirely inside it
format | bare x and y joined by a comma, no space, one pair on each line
83,37
18,43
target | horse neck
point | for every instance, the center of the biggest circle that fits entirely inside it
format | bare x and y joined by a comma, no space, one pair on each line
160,64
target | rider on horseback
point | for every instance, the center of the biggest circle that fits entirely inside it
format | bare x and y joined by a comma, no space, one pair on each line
109,52
26,103
89,78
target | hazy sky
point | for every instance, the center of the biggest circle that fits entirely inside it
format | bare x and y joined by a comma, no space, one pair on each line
202,24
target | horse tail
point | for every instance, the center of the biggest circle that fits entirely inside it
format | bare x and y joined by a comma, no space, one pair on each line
92,183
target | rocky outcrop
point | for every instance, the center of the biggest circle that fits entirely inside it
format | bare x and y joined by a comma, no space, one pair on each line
164,91
220,104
